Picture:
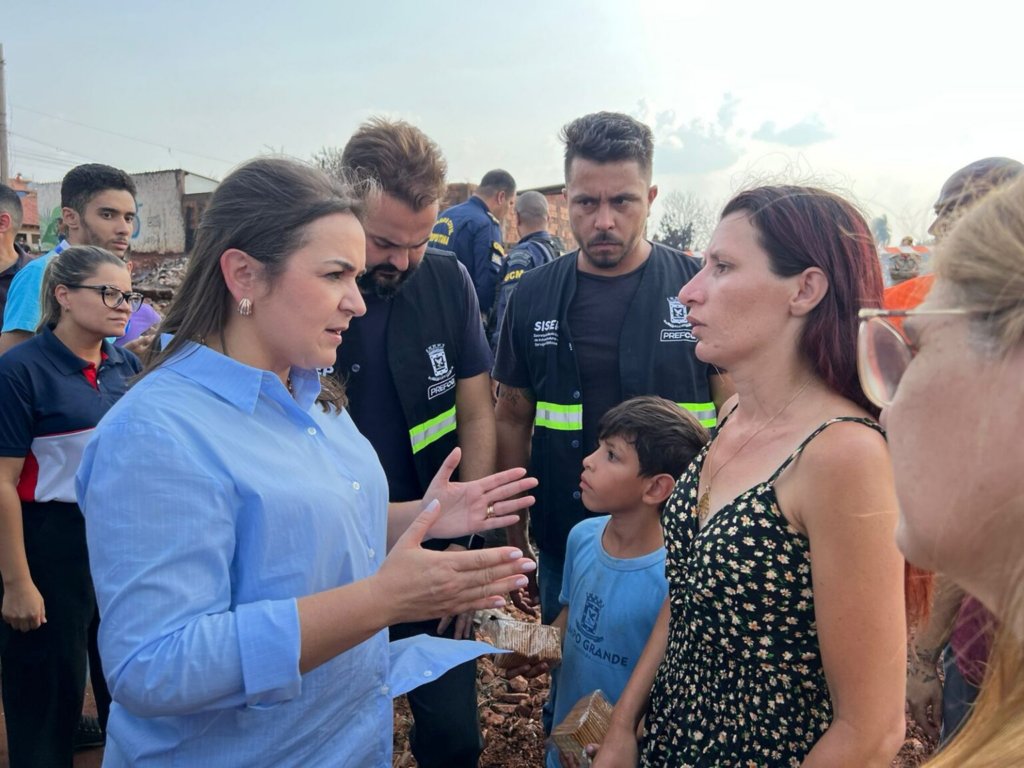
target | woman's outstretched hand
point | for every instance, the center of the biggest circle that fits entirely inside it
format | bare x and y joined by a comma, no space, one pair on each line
464,505
416,584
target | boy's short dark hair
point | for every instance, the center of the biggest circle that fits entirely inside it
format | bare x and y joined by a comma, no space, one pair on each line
666,437
83,183
608,137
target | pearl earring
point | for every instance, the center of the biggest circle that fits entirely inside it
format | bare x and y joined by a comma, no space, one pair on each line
245,307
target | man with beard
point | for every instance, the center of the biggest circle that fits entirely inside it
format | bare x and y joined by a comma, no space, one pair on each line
416,373
98,208
590,330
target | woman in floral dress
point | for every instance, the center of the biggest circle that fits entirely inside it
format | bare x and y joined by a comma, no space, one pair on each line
783,639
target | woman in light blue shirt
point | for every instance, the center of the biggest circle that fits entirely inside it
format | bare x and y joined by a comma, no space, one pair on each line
245,558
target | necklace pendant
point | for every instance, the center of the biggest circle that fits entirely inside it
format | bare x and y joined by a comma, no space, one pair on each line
704,504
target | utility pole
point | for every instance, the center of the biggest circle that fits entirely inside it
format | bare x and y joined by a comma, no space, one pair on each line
4,167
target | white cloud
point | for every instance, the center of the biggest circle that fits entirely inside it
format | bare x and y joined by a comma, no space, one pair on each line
809,131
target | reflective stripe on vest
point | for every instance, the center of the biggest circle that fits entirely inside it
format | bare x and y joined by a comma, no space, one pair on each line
703,412
428,432
563,417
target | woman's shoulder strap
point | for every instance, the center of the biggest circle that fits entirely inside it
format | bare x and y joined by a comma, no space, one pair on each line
792,457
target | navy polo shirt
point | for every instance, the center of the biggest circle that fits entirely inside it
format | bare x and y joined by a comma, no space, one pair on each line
52,401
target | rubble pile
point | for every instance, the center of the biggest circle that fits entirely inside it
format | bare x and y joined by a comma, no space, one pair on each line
158,278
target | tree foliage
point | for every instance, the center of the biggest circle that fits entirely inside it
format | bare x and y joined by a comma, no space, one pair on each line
687,221
328,159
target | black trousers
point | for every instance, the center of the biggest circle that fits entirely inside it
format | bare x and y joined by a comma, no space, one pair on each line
43,671
446,728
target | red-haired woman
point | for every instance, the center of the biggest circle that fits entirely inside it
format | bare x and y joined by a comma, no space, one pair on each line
783,639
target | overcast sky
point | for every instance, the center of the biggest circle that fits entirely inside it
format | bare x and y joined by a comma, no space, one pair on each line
880,99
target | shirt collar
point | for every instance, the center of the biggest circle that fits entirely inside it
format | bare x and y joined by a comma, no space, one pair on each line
541,234
236,382
66,361
23,259
479,201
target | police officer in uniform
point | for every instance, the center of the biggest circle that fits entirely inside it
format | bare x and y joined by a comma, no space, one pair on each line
472,231
416,373
589,330
536,247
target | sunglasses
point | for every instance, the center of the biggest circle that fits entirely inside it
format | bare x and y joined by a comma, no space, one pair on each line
884,352
114,297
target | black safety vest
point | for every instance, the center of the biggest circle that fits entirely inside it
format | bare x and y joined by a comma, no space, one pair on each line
656,357
424,336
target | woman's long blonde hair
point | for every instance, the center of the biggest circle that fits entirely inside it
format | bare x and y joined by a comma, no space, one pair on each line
982,262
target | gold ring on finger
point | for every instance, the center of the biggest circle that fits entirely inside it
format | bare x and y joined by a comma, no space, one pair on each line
490,511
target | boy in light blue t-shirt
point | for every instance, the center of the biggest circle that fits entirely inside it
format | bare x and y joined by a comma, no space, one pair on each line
614,580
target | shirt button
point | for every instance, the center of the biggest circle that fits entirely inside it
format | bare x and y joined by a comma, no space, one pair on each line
576,494
384,690
355,367
311,430
576,394
356,486
428,673
372,553
575,443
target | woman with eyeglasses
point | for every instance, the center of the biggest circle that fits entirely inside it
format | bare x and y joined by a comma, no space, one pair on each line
783,639
54,390
950,376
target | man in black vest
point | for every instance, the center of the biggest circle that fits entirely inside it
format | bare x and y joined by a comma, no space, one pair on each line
592,329
416,373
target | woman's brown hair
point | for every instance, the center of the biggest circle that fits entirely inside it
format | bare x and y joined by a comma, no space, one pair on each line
263,208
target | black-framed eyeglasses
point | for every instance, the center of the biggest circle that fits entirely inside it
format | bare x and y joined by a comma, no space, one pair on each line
114,297
884,352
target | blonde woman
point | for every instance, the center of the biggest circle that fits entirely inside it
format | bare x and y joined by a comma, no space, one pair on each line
949,375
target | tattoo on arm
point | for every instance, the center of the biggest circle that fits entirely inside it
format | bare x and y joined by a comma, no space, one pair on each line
512,394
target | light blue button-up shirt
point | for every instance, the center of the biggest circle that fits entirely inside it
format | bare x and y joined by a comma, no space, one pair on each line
213,500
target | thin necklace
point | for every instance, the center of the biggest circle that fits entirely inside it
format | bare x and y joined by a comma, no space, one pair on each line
704,504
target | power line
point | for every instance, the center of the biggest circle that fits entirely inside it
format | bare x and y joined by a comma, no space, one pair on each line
51,146
125,136
43,169
30,154
49,161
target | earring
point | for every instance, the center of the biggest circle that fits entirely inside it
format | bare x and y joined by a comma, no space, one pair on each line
245,307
